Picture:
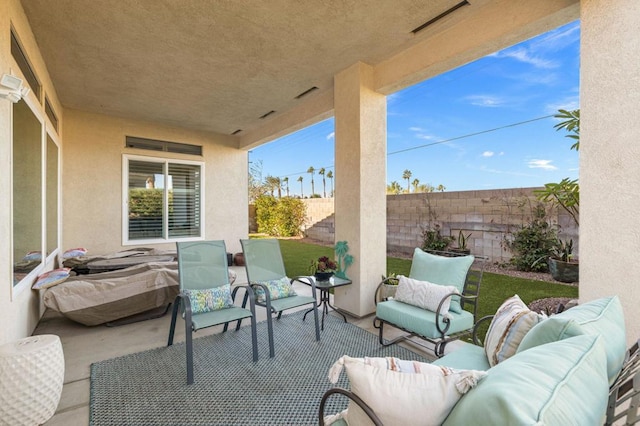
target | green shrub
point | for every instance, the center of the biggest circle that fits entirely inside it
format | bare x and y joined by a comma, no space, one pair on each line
432,239
533,243
280,217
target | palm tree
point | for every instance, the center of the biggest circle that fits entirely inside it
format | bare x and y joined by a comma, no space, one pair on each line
415,183
441,188
394,188
273,183
330,176
301,190
311,170
407,175
286,181
324,183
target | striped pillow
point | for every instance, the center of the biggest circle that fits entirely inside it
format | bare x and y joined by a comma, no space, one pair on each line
509,325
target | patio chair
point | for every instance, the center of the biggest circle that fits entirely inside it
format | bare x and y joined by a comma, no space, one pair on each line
273,289
624,394
453,291
205,295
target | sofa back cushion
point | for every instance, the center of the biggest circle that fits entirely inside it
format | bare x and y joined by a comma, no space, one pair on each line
598,317
558,383
443,271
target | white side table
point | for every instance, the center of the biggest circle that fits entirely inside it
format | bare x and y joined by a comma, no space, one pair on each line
31,379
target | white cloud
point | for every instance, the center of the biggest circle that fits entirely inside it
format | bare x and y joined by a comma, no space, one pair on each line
486,101
416,129
541,164
524,55
569,104
488,154
331,135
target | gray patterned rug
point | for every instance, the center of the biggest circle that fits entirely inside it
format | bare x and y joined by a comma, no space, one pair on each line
149,388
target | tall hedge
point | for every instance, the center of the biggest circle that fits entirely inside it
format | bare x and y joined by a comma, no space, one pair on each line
280,217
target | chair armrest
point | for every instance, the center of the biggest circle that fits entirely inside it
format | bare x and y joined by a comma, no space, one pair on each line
352,396
249,293
376,294
307,280
476,327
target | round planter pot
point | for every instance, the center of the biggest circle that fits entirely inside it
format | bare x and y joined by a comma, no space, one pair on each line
323,276
238,259
566,272
387,291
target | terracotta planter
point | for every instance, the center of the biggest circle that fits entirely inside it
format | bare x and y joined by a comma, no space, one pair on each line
566,272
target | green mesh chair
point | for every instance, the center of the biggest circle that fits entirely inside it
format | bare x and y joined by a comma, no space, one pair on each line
266,273
205,297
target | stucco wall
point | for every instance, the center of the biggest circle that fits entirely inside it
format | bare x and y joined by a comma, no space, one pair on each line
92,162
20,309
609,153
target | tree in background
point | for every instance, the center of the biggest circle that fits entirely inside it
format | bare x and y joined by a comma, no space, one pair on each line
256,186
300,179
415,184
311,171
280,217
407,175
441,188
273,183
394,188
330,176
324,182
286,181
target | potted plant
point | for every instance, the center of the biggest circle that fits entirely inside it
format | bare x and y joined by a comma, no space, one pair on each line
323,268
389,286
433,240
562,266
462,244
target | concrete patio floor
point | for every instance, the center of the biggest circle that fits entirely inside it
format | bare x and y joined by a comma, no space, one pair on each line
84,345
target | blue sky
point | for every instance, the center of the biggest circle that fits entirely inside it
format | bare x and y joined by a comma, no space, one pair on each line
442,129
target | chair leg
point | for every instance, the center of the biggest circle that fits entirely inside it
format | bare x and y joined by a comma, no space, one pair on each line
315,317
174,315
270,332
189,346
254,338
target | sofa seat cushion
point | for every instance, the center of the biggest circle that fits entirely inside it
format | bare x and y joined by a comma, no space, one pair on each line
598,317
443,271
560,383
467,357
421,321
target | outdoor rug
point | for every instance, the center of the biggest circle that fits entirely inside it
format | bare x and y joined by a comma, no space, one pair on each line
149,388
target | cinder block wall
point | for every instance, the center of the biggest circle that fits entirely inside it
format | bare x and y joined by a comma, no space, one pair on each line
487,215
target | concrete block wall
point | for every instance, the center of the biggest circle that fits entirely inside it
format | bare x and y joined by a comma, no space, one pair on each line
487,215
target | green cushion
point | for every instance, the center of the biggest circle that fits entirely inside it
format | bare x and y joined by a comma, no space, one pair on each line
467,357
420,320
442,270
598,317
560,383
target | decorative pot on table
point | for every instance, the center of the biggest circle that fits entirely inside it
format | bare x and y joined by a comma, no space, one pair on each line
323,276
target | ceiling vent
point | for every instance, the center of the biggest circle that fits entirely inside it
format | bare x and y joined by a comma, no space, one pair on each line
439,17
164,146
306,92
236,132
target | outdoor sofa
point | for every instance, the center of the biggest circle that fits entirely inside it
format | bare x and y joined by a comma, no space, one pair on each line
560,370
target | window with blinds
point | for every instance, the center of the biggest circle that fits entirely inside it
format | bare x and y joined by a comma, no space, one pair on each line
164,199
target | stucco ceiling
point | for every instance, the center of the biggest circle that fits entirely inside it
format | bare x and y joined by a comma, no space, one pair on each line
215,65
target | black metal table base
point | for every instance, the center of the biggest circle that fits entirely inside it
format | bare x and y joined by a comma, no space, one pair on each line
324,304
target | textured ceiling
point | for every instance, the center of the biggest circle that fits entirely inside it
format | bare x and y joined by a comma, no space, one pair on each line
213,65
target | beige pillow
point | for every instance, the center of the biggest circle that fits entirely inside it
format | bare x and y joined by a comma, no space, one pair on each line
512,321
423,294
403,392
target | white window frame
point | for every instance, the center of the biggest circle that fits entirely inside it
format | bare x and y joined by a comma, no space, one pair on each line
125,200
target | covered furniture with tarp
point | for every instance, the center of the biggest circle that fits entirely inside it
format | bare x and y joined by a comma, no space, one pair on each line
101,298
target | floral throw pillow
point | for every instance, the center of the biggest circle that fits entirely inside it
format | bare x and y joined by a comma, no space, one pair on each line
278,289
210,299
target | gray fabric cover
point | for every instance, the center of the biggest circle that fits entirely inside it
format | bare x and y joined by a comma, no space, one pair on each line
99,298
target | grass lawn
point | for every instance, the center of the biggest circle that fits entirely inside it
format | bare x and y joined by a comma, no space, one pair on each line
494,290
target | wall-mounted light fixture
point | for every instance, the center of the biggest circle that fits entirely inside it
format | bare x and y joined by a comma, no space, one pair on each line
12,88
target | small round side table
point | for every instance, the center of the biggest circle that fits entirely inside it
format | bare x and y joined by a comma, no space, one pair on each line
31,379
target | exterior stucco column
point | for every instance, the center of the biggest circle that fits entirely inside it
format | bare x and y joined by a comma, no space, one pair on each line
360,197
610,155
